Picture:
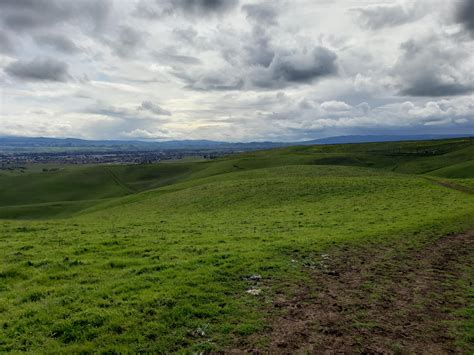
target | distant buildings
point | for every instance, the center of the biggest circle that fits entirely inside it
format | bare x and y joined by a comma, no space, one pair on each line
16,160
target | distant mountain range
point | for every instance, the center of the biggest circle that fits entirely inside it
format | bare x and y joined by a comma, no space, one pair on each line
384,138
23,144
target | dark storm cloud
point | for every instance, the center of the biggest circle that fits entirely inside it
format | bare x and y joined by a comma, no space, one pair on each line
198,7
286,69
39,69
428,67
57,42
255,49
433,86
296,68
155,109
19,15
161,8
259,51
375,17
465,15
25,15
320,62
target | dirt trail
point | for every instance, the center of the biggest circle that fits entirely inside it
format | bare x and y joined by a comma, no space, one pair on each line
377,300
451,185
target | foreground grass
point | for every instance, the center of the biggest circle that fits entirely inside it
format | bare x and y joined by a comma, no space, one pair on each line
168,269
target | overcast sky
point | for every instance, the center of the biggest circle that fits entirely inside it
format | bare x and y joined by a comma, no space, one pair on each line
235,70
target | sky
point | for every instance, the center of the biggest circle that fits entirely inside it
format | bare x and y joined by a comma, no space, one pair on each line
235,70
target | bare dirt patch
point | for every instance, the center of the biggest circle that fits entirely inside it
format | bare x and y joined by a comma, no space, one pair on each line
374,300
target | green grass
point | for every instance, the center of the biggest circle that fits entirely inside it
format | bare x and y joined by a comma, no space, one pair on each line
464,182
466,328
79,184
445,158
156,258
463,170
64,185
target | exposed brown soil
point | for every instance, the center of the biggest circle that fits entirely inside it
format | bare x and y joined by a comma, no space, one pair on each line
392,299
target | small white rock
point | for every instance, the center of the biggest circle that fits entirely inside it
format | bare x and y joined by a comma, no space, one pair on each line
254,291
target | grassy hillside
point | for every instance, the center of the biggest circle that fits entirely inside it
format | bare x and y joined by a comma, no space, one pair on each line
56,191
461,170
160,258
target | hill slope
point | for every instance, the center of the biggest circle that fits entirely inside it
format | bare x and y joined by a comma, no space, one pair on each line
73,188
197,257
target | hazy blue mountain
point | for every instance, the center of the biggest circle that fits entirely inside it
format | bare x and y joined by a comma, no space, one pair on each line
56,144
382,138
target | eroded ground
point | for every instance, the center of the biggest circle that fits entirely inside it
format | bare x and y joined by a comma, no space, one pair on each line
395,299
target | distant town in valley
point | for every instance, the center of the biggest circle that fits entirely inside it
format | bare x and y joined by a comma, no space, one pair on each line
15,161
17,152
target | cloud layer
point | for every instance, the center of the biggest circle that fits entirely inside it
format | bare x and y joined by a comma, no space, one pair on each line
465,15
378,16
235,69
39,69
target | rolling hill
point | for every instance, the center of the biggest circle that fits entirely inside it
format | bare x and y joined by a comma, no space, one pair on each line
213,255
72,188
